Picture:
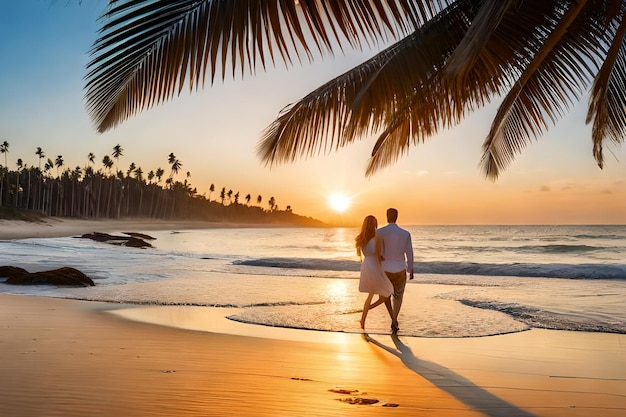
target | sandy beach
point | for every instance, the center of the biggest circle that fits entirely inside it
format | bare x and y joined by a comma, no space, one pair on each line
74,358
54,227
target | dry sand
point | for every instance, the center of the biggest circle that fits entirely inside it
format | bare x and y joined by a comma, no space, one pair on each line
76,358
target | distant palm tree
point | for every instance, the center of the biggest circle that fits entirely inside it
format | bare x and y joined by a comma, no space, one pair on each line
75,176
223,195
211,189
117,152
131,168
40,154
107,162
29,190
449,58
248,197
153,212
88,188
20,165
259,199
139,178
139,174
58,163
176,165
4,148
47,198
159,174
271,203
39,203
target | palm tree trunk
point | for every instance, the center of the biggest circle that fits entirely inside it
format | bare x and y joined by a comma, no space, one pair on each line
140,200
99,199
151,210
17,188
72,199
41,193
110,196
29,190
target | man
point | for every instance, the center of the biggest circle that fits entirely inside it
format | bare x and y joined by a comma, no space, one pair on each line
397,253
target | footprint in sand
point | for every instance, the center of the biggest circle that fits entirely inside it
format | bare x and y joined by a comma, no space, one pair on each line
356,399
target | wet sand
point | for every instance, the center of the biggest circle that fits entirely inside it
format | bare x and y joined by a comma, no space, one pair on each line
77,358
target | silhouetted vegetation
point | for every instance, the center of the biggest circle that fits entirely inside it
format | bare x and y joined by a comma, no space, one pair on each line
28,192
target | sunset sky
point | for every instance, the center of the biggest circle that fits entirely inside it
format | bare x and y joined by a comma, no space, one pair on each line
214,133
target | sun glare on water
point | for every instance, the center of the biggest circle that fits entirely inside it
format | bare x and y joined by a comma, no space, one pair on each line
339,202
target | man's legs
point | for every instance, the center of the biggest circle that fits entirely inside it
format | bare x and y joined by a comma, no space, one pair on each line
398,279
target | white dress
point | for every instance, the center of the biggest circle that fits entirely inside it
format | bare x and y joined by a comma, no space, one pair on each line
373,278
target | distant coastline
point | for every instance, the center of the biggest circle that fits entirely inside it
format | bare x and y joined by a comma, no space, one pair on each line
23,224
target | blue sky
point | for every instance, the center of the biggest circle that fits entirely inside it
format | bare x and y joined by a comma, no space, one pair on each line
214,132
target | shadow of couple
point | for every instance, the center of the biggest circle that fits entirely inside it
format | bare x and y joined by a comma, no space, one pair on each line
464,390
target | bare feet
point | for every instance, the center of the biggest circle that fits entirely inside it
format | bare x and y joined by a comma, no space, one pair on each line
394,327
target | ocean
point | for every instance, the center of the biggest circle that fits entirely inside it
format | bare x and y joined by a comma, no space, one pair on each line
470,281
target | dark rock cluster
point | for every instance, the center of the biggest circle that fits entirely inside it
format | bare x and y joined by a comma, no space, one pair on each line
134,240
66,276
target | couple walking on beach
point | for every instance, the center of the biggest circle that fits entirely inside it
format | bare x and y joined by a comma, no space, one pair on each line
387,254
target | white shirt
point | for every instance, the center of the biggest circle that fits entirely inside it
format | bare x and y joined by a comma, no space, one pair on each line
397,249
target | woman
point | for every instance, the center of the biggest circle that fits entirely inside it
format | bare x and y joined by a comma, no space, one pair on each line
373,279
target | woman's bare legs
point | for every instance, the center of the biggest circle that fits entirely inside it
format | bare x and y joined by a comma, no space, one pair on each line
369,305
366,307
378,302
389,307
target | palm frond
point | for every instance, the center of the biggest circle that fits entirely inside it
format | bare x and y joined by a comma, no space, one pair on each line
444,99
361,100
555,76
480,32
149,49
607,105
404,131
459,54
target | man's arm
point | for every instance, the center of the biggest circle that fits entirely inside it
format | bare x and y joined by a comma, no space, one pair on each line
409,255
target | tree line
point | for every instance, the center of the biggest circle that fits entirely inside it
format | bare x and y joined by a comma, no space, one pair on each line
107,192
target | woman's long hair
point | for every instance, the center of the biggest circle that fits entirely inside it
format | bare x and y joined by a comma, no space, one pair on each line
368,231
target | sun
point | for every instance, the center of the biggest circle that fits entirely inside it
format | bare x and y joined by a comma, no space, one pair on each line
339,202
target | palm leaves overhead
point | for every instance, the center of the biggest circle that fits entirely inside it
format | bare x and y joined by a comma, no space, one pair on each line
450,57
396,91
149,48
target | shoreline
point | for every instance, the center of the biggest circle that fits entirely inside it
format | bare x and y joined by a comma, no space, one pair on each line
64,227
73,358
